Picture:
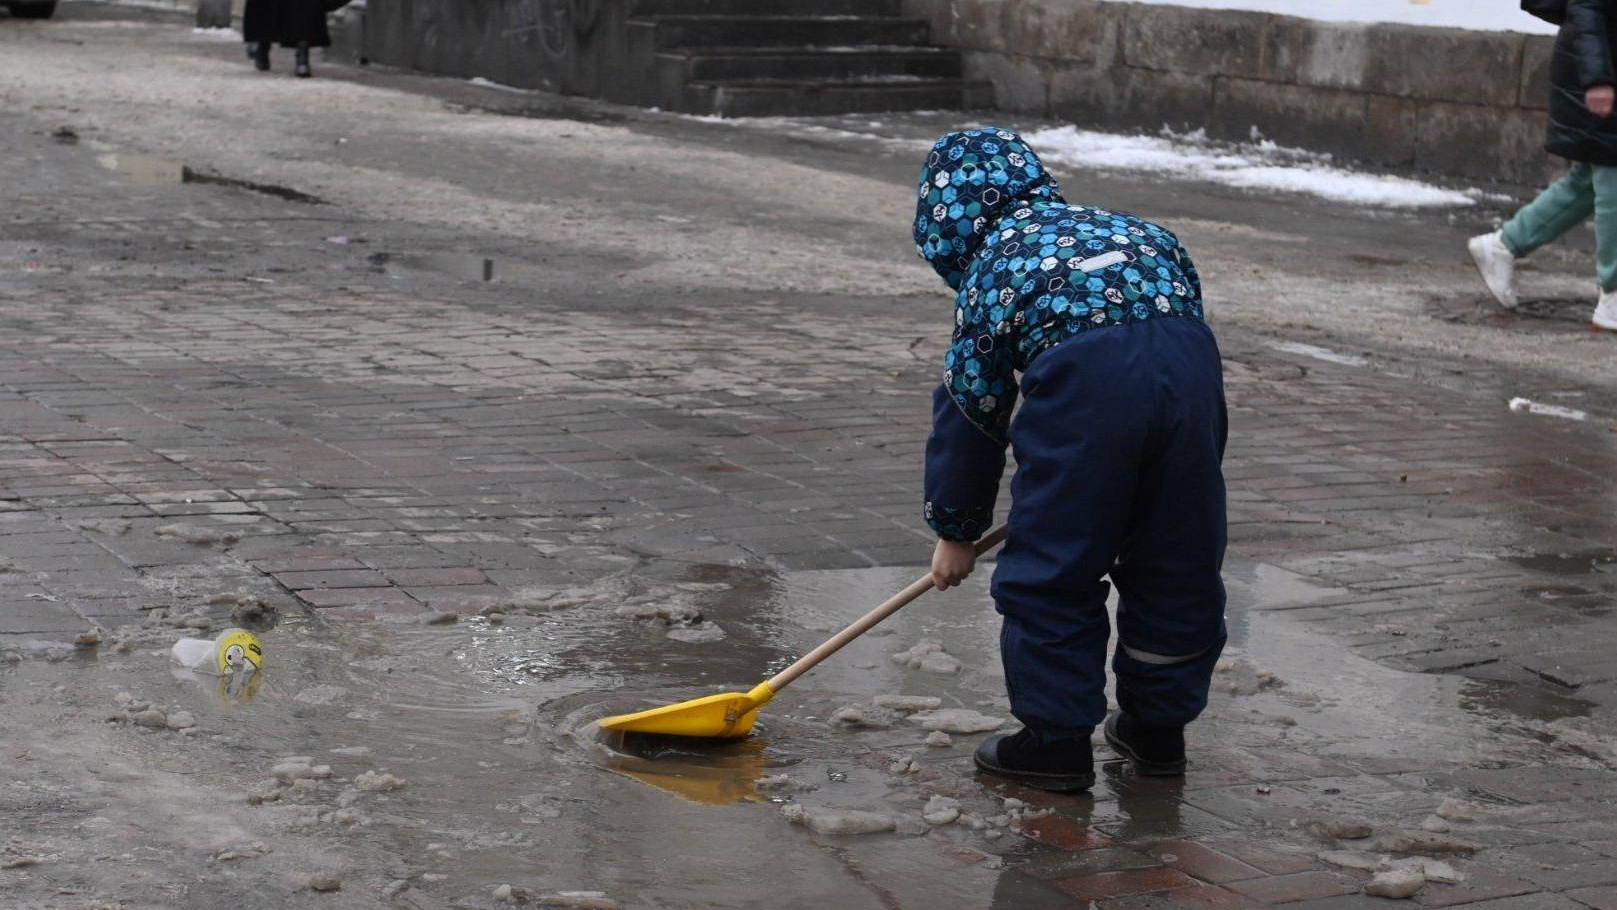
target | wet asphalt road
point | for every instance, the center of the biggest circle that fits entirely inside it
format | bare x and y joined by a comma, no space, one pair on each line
374,346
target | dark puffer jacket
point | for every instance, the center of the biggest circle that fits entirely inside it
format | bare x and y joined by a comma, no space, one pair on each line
1583,59
288,23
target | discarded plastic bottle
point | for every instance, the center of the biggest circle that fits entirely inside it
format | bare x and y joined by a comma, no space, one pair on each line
234,652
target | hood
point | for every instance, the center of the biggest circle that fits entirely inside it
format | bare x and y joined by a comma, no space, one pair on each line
970,179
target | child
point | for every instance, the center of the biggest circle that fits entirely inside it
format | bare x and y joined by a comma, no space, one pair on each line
1118,446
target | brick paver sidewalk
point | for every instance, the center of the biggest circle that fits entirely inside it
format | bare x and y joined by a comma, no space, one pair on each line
293,420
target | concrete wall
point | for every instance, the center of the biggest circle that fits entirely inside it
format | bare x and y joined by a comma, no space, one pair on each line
501,40
1443,100
571,46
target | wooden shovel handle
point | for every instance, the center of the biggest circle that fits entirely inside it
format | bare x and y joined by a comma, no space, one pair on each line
869,621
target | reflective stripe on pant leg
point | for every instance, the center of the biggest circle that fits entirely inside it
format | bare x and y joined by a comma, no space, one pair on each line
1146,657
1165,694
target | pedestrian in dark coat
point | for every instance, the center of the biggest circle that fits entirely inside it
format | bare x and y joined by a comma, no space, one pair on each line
1582,130
299,24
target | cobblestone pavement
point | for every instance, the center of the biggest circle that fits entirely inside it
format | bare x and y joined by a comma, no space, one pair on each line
206,387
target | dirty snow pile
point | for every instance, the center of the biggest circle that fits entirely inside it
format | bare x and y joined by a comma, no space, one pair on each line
1259,165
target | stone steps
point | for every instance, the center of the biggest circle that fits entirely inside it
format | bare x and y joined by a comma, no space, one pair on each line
817,97
790,31
796,57
753,64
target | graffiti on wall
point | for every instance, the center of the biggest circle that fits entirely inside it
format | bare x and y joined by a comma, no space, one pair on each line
556,24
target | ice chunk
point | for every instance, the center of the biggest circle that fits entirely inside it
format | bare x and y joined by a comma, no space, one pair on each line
941,810
860,716
908,703
151,717
957,720
1424,842
781,783
378,781
1396,883
1438,871
928,654
700,633
824,820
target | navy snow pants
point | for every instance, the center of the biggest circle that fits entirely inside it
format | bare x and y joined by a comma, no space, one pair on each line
1118,447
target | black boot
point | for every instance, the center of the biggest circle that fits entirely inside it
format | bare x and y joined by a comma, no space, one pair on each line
1153,751
260,52
302,68
1063,766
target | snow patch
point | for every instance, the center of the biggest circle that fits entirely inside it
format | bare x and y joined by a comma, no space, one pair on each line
1547,410
489,83
1318,353
1255,166
1476,15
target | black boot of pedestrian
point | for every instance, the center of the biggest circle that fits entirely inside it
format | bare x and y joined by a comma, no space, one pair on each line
302,69
260,52
1153,751
1063,766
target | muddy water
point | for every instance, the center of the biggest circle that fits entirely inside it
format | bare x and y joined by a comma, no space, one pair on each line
509,782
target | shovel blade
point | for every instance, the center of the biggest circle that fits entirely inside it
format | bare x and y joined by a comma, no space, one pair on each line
729,715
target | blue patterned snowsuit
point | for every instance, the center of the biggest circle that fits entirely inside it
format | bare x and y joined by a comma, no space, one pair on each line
1118,442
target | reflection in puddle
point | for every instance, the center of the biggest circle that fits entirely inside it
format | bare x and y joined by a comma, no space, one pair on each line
466,267
1543,314
1581,563
1491,697
144,169
147,170
461,266
716,773
710,772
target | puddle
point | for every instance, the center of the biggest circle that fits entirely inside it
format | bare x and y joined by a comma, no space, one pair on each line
466,267
146,170
510,780
709,772
1319,353
1580,563
1525,700
460,266
1541,314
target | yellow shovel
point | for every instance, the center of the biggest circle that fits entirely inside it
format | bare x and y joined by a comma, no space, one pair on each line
731,715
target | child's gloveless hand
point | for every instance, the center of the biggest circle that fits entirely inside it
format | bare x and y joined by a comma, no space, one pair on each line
952,562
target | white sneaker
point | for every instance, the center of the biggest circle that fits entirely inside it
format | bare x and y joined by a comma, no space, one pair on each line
1497,265
1605,316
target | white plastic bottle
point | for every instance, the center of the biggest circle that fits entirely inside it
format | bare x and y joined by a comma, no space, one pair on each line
234,651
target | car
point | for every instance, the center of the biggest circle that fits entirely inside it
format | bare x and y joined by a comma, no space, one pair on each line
30,9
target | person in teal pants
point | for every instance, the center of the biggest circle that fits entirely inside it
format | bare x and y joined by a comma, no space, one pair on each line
1583,131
